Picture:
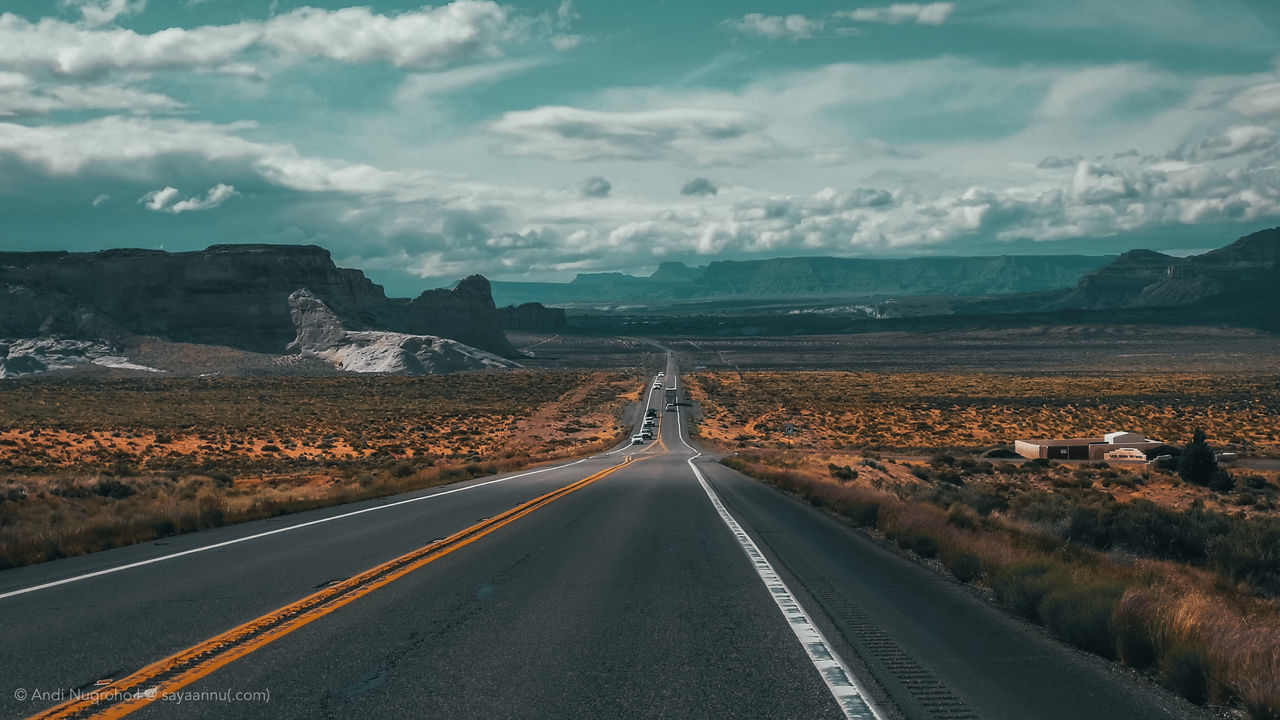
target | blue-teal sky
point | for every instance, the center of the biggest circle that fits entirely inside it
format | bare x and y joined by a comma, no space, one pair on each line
535,140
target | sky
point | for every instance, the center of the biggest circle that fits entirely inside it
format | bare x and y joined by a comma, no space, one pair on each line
538,140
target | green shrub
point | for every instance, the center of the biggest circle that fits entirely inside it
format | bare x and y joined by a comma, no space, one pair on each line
1250,552
1080,614
1198,464
112,488
1023,584
843,474
863,513
965,565
919,542
1184,667
1135,638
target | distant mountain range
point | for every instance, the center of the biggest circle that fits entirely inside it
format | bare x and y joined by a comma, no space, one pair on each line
813,277
287,308
1237,285
1240,281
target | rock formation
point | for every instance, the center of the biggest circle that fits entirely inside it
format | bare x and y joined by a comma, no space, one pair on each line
1244,273
233,295
29,356
532,316
320,333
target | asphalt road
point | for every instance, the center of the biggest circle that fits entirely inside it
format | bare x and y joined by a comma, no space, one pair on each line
629,597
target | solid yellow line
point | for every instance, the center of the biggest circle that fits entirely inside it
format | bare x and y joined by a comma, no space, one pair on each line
355,588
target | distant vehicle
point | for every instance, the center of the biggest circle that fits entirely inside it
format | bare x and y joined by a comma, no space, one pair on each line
651,412
646,434
671,407
637,439
648,422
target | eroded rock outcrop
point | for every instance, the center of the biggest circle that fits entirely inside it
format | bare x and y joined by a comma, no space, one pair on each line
321,334
29,356
233,295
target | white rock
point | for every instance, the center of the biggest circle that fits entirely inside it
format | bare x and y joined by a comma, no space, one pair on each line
321,334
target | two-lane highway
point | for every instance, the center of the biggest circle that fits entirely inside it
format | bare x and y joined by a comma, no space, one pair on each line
664,585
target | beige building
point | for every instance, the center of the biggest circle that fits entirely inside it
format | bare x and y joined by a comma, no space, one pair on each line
1085,448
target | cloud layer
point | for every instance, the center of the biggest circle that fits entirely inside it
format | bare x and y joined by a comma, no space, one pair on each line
425,38
691,135
843,22
477,137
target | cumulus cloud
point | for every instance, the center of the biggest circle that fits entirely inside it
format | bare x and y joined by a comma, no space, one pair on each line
158,200
421,38
101,12
424,38
216,195
701,136
596,187
774,27
700,187
163,200
922,14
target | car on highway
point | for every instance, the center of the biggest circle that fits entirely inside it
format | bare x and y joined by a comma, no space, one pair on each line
651,412
671,407
648,422
637,439
646,434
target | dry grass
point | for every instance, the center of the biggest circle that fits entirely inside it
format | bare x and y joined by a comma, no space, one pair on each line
913,411
91,465
1127,562
1207,638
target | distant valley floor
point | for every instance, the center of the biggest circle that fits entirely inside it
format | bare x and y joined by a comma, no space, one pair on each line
1056,349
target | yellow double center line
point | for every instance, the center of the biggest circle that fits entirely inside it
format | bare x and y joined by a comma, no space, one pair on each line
154,681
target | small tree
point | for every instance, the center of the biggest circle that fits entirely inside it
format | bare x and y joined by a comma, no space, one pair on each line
1198,464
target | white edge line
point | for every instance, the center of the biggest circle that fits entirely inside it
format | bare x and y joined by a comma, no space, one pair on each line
277,531
845,688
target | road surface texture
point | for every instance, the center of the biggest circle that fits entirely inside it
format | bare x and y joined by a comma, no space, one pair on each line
633,595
